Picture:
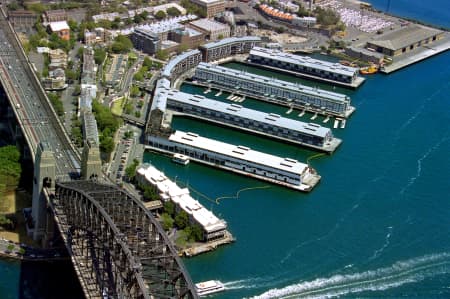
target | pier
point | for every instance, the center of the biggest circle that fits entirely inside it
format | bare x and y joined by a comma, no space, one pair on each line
238,159
256,122
272,90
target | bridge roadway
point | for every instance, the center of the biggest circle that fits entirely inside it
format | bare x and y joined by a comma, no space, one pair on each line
39,123
31,106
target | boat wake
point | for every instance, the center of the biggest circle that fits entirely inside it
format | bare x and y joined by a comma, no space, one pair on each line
400,273
419,164
252,283
419,111
385,245
323,237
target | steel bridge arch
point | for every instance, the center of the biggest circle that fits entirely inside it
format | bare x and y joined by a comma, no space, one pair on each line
130,255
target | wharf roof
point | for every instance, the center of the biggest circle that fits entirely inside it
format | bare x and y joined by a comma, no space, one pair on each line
291,86
405,37
160,99
209,25
182,198
231,40
238,152
270,119
304,61
167,71
58,26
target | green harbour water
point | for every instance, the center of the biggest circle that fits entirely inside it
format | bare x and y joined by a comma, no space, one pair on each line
377,225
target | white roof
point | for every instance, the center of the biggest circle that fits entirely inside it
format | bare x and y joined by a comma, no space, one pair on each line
58,26
209,25
304,61
181,197
270,119
239,152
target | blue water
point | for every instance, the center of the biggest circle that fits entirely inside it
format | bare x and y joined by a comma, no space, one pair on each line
378,223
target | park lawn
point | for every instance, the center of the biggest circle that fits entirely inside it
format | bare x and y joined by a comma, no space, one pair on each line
117,107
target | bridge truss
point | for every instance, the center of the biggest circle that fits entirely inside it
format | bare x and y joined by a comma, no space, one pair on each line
118,247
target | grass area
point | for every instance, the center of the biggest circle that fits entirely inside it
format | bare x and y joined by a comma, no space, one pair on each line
117,107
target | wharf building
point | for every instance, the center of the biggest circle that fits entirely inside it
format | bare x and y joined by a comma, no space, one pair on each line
181,64
228,47
305,66
274,90
239,159
405,40
267,124
210,7
212,227
213,30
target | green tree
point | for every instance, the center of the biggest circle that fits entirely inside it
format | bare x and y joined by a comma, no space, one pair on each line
121,44
162,54
160,15
71,75
99,55
173,11
139,76
130,171
76,90
13,6
73,25
167,221
144,15
169,208
38,8
196,232
134,91
80,52
106,144
56,103
182,220
147,62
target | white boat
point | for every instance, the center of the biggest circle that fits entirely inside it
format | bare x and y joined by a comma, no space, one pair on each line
209,287
180,159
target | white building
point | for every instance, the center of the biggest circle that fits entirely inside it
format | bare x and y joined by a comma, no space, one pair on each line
213,227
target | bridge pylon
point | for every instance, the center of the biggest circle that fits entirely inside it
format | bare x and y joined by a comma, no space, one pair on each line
91,163
44,177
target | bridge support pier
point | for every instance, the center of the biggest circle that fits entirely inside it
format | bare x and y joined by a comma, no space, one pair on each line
44,177
91,164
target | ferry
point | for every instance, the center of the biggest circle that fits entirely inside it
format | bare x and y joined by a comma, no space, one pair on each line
180,159
209,287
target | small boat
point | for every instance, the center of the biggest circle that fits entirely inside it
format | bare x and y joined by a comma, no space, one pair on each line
180,159
209,287
368,70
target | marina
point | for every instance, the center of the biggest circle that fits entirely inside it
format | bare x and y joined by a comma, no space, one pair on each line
286,172
292,95
267,124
